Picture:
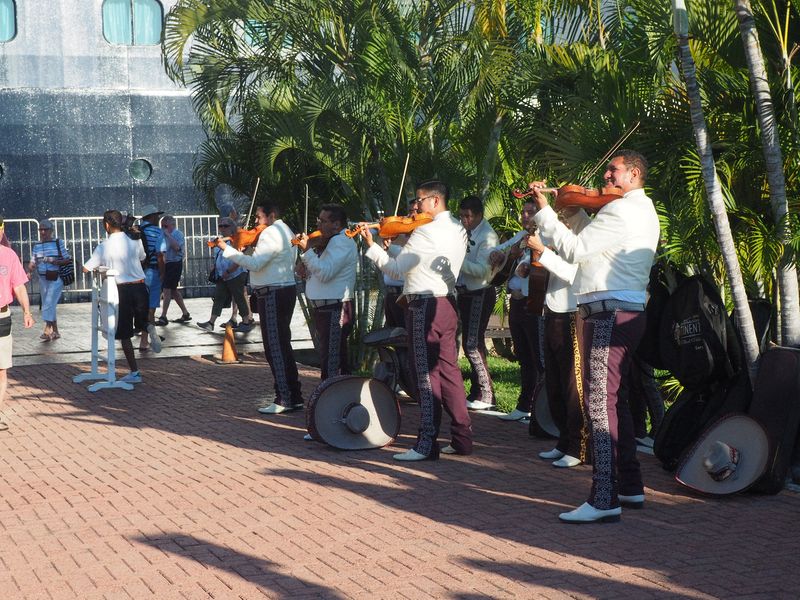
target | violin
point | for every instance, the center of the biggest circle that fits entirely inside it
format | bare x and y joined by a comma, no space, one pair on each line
314,237
241,239
391,227
568,196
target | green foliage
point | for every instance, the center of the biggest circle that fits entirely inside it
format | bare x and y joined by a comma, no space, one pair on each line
505,379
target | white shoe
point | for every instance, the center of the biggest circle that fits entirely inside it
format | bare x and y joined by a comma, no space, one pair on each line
555,453
515,415
448,450
567,461
586,513
478,405
274,409
410,455
132,377
636,501
307,438
155,339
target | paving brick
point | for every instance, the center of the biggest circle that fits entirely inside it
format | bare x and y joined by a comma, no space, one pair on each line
181,490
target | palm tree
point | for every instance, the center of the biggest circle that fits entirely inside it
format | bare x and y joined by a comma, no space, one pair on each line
714,193
773,159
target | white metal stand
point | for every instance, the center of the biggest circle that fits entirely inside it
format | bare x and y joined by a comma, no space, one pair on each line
105,308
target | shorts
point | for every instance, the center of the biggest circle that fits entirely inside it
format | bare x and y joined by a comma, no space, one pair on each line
5,347
133,310
172,275
152,280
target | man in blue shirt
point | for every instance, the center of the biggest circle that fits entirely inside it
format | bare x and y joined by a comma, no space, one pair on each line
154,263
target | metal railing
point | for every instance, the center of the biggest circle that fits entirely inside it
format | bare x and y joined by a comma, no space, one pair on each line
82,235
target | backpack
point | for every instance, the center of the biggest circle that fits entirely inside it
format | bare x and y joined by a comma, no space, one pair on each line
698,343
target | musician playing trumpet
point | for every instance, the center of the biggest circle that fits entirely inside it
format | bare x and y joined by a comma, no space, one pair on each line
613,253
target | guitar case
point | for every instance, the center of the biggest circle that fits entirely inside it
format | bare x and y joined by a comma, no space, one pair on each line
776,405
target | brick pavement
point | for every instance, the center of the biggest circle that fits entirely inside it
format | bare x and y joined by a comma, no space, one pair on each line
181,490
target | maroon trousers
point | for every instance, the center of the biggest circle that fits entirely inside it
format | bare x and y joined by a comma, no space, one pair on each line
525,335
607,341
275,309
334,323
562,388
474,310
432,324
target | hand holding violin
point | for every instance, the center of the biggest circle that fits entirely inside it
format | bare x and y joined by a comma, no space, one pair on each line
301,241
365,234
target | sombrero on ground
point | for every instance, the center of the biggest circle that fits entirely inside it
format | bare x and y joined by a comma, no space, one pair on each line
730,456
353,413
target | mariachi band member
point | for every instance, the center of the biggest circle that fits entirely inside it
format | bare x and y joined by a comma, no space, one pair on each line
559,352
523,325
271,267
476,298
330,270
429,263
614,253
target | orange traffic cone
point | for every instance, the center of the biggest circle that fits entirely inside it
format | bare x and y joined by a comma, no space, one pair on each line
229,354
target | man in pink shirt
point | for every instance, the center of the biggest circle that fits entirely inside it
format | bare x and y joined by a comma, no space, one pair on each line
12,283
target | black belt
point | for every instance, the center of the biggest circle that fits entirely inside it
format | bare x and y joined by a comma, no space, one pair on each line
599,306
263,289
413,297
325,302
130,282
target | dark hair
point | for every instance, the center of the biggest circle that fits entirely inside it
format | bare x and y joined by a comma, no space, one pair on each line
270,208
337,213
437,187
114,219
473,204
633,159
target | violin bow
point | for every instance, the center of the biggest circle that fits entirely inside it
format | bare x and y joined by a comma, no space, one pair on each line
252,202
305,220
402,183
611,151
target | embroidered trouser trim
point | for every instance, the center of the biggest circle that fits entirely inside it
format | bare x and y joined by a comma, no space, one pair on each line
334,323
562,386
432,324
275,309
607,341
474,309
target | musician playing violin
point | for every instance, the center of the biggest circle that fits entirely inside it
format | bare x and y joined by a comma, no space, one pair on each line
614,253
331,281
271,267
564,397
525,327
428,264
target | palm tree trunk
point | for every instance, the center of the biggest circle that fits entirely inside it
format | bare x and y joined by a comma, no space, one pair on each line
490,160
773,160
714,191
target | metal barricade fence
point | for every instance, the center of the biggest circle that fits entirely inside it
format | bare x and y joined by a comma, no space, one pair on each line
82,235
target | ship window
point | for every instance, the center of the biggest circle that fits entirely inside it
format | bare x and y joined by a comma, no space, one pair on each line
132,22
8,20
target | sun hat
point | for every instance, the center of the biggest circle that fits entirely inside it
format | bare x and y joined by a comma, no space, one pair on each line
728,457
150,209
353,413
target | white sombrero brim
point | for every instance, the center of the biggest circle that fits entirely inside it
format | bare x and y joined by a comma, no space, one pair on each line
739,431
375,405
